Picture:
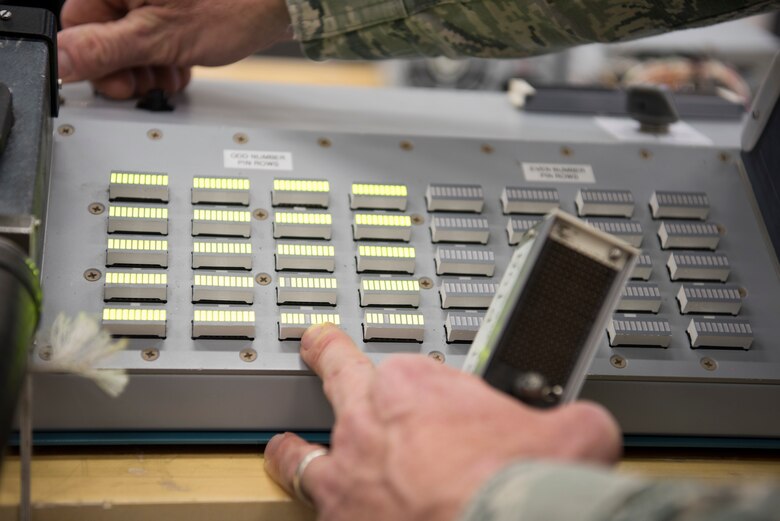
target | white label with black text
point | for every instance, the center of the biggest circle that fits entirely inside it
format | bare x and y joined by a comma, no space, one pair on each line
558,173
258,160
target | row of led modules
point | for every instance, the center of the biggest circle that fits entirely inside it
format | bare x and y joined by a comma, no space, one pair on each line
303,289
462,259
222,299
385,295
140,285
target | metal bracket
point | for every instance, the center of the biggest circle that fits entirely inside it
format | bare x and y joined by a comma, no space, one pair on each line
35,24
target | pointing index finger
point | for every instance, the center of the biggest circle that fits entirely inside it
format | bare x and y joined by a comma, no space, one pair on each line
345,371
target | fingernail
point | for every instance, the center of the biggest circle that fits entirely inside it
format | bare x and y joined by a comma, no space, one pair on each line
65,65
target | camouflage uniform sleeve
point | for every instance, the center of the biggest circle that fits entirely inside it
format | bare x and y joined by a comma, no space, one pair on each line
375,29
537,491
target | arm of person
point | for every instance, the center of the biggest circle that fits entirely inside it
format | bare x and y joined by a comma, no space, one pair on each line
128,47
536,491
373,29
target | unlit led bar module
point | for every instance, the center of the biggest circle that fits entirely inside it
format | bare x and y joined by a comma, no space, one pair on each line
138,186
220,190
135,285
730,333
382,227
137,219
303,224
371,196
549,313
462,294
710,298
231,223
305,257
393,326
217,287
517,226
224,322
629,231
639,330
459,229
689,235
693,265
137,252
135,321
301,192
607,203
386,258
306,289
643,268
454,198
679,205
529,200
462,327
464,261
389,292
640,296
293,323
227,255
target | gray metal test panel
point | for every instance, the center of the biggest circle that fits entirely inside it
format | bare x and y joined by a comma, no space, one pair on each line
414,138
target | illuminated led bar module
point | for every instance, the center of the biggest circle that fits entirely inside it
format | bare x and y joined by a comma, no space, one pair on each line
301,192
220,190
138,186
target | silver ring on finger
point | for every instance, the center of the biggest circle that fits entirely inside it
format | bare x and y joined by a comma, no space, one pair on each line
298,475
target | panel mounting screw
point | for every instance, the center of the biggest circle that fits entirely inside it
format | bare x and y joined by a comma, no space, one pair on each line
240,138
154,134
96,208
151,354
5,14
44,353
417,219
263,279
437,356
645,154
260,214
617,361
248,355
324,142
615,254
487,149
708,363
406,145
566,151
426,283
66,130
563,232
724,157
92,275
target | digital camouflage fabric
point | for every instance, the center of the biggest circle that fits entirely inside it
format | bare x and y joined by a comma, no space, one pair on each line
375,29
537,491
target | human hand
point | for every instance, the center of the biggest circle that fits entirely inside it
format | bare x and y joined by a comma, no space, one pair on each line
129,47
414,439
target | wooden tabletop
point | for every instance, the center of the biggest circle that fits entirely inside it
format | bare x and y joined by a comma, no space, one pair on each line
194,483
